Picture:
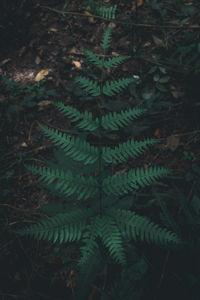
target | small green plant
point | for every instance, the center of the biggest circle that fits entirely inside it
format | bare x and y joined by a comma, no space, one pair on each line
27,96
89,176
103,11
189,156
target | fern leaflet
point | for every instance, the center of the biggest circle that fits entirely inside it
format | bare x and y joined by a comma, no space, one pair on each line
112,88
62,228
105,44
76,148
114,61
89,242
99,62
107,12
115,120
123,183
123,151
88,85
133,226
66,183
112,238
93,58
85,119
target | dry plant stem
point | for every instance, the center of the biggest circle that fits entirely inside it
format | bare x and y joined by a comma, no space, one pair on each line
121,22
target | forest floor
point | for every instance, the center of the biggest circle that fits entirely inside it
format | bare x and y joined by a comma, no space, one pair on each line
41,40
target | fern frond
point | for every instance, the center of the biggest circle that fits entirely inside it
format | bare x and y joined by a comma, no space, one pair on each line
88,85
112,238
99,62
114,61
62,228
89,241
105,43
115,120
66,183
85,119
123,183
112,88
93,58
107,12
76,148
133,226
123,151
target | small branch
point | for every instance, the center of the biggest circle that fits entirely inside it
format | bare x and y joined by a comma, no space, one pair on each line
121,22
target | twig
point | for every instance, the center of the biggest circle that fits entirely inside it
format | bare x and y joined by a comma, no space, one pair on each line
121,22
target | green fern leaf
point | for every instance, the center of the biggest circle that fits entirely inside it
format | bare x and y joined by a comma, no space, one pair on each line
89,242
76,148
124,183
84,119
105,44
112,238
114,61
133,226
93,58
61,228
99,62
123,151
107,12
88,85
66,183
114,87
115,120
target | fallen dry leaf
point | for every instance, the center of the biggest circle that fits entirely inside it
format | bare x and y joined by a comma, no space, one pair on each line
52,29
158,42
175,92
140,2
5,61
90,19
77,64
37,60
157,133
24,145
42,104
41,75
172,142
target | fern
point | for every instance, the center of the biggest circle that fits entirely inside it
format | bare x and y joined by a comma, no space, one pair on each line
105,12
101,228
105,44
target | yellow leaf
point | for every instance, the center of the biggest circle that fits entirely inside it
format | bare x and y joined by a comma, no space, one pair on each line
90,19
77,64
41,75
140,3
